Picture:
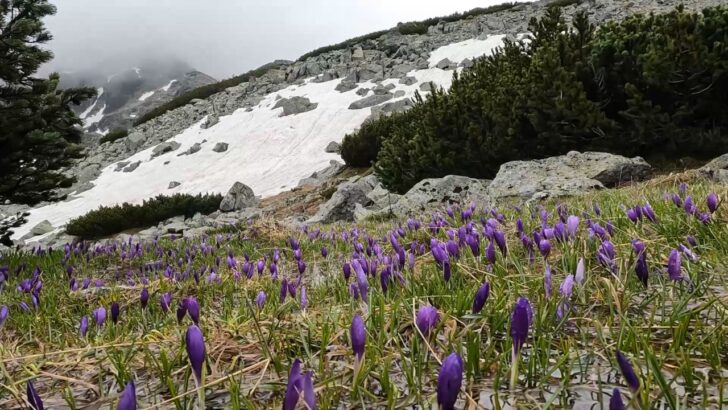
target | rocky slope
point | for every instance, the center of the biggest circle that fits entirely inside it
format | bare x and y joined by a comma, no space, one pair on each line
127,94
274,130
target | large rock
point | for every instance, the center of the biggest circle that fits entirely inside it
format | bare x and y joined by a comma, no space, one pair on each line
239,196
370,101
164,148
324,175
343,202
41,228
436,193
220,147
133,166
570,174
333,147
295,105
716,169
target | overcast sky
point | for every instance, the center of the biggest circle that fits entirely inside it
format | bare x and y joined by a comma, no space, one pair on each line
221,37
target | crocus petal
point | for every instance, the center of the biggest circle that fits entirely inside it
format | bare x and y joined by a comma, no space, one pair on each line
33,397
520,322
481,296
449,381
195,343
127,400
358,336
616,403
628,372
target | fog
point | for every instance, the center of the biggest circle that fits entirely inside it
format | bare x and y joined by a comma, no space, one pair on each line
218,37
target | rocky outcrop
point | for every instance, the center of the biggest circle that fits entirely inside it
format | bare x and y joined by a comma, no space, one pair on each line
370,101
717,169
164,148
436,193
220,147
240,196
295,105
344,201
323,176
570,174
333,147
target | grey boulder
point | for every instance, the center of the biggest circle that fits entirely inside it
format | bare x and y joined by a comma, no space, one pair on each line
220,147
570,174
295,105
370,101
41,228
131,167
164,148
717,169
239,196
333,147
324,175
342,204
173,184
436,193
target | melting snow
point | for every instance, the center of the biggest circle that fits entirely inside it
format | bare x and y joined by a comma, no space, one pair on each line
99,93
166,87
267,152
147,95
96,117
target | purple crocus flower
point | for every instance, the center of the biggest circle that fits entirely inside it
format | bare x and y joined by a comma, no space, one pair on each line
481,296
692,241
615,402
547,282
99,315
195,344
490,253
676,200
358,336
83,327
641,268
193,309
309,394
354,291
324,251
628,372
572,225
165,301
33,397
449,381
426,319
632,215
567,287
580,271
127,400
144,298
500,240
649,213
712,202
520,322
181,310
284,289
294,387
544,246
347,270
260,299
692,257
3,314
304,298
689,206
674,266
114,312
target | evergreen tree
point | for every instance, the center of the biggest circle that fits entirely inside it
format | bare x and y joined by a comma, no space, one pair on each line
38,129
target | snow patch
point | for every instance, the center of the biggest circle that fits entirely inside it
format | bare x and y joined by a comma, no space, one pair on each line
85,114
147,95
267,152
96,117
457,52
166,87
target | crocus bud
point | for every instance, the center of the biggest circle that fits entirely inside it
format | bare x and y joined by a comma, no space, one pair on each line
127,400
83,327
712,202
4,312
449,381
520,322
628,372
358,336
33,396
674,267
260,299
144,298
426,319
615,402
579,276
181,310
195,344
294,387
99,316
481,296
544,246
193,309
165,301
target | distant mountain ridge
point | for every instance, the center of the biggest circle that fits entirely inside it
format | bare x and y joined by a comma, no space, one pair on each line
129,93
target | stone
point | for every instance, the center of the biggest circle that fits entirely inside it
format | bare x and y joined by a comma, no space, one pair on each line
370,101
191,150
362,91
381,197
437,193
121,165
445,64
408,80
571,174
426,87
717,169
341,205
324,175
173,184
345,86
131,167
134,141
295,105
333,147
233,218
399,93
164,148
239,196
211,120
467,63
383,89
357,54
220,147
41,228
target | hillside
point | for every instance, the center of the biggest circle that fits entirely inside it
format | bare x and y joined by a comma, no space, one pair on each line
272,131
